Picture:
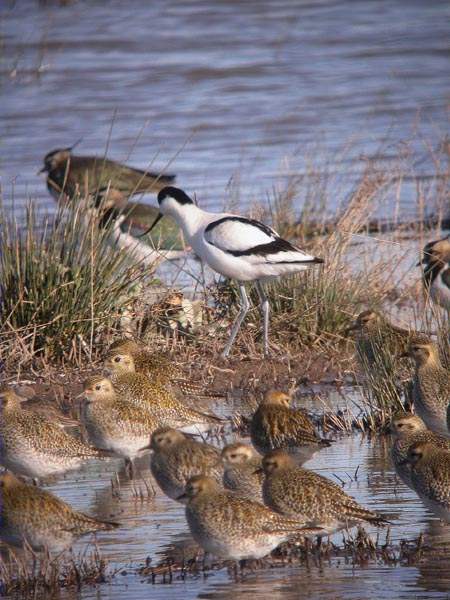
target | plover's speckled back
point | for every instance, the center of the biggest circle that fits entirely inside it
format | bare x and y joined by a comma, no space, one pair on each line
374,334
408,429
242,473
430,477
162,369
236,247
177,457
431,386
34,446
275,425
35,517
235,528
299,493
137,389
113,423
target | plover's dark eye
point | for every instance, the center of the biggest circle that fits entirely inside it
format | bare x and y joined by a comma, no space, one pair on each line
117,359
233,455
98,387
399,425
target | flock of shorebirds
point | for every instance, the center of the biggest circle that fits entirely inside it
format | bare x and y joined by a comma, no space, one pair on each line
241,501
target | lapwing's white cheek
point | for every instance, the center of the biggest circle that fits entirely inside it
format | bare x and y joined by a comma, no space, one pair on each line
168,206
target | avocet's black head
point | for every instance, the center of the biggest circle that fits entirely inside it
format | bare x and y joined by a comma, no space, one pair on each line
173,192
171,202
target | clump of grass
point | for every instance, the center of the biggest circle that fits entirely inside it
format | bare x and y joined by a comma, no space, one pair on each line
29,576
385,389
315,307
62,284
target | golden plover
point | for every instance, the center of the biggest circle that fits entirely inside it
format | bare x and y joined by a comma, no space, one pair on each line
296,492
34,446
375,334
241,464
275,425
408,429
161,369
436,271
177,457
431,385
137,389
114,424
430,477
235,528
34,517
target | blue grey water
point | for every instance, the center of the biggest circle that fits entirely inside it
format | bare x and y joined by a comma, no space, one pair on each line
231,95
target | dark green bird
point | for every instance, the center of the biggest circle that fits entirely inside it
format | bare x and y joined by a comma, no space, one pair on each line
71,176
109,184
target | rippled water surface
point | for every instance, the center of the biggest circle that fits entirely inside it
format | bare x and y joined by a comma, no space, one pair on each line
234,93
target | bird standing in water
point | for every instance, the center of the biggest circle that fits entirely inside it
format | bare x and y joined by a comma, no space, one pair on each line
36,518
236,247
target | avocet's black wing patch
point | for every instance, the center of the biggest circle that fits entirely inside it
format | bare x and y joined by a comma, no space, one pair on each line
239,236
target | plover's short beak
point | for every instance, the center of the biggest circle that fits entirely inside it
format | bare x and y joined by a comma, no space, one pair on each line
155,222
43,170
182,497
258,471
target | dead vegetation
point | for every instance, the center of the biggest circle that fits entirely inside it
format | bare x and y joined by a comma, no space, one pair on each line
29,576
358,551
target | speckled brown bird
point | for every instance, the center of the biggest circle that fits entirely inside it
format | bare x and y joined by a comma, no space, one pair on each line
242,473
161,368
296,492
275,425
408,429
430,477
140,391
114,424
34,517
431,385
34,446
236,528
375,334
177,457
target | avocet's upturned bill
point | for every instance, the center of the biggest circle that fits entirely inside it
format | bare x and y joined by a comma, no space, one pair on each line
236,247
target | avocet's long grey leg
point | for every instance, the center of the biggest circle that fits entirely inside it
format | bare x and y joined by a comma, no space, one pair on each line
245,305
265,309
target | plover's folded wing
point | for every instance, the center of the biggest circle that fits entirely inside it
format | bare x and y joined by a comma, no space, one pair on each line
242,237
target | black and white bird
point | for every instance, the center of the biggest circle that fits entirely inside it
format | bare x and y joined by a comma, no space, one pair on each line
436,271
236,247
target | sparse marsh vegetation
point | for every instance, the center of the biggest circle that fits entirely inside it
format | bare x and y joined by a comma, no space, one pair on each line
63,286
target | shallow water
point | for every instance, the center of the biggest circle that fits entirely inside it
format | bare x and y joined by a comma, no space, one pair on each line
153,525
252,88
